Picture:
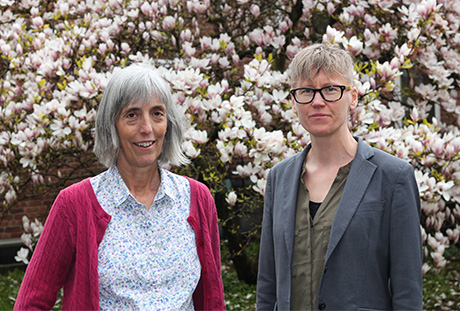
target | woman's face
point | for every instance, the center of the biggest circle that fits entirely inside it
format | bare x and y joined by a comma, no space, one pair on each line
321,118
141,131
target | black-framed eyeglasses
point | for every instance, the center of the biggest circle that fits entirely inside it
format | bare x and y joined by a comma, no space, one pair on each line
330,93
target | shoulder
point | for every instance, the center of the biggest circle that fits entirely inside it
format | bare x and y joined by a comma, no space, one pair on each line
80,199
197,187
81,189
202,204
384,161
290,165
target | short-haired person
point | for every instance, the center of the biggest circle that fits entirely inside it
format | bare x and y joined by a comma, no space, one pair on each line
135,237
341,222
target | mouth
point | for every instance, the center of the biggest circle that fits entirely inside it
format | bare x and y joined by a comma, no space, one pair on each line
145,144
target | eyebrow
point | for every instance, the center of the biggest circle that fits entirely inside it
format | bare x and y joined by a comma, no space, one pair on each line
139,107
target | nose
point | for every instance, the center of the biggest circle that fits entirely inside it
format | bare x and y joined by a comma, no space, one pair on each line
145,125
318,100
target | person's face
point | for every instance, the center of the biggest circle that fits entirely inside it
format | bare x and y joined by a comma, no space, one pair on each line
319,117
141,131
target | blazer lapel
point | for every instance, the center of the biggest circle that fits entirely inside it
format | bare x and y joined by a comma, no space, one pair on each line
358,179
290,187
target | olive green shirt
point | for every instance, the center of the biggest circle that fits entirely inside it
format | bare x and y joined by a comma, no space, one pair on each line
311,240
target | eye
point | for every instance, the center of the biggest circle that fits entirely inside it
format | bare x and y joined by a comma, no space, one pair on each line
331,89
130,115
158,113
305,91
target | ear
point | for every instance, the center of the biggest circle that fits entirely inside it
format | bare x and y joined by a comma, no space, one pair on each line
354,98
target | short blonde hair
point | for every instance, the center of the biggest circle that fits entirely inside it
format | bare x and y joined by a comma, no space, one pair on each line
331,59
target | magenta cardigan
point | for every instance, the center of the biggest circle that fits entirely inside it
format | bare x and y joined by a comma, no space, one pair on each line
67,252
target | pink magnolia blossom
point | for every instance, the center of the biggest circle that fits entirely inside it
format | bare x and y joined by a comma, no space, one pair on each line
426,7
241,149
189,50
255,10
146,9
38,22
168,23
257,36
205,42
333,35
125,47
224,63
283,25
190,150
370,20
354,45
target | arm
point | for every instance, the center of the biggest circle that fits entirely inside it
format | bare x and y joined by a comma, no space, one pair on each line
217,287
405,243
47,270
209,294
266,279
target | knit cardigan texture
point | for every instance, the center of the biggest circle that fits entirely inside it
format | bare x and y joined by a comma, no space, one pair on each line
66,255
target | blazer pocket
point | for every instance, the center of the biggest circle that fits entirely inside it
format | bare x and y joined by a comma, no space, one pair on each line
371,207
371,309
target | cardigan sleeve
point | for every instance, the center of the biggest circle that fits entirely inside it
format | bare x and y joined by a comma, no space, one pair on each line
50,262
209,294
217,289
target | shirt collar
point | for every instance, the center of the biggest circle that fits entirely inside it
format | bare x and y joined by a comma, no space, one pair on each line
122,193
167,185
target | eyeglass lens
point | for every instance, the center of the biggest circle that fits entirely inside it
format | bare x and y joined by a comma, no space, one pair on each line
329,93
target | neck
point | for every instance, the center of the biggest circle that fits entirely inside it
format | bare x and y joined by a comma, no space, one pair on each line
140,180
333,150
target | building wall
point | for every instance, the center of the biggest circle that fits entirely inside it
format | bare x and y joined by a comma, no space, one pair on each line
33,205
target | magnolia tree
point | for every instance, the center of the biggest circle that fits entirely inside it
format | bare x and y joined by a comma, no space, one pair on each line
227,63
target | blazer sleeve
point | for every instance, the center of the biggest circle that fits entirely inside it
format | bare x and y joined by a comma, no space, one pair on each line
266,279
50,262
406,256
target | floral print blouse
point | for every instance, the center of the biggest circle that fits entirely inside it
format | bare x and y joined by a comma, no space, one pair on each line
147,258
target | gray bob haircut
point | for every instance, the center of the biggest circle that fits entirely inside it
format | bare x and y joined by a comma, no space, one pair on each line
138,83
331,59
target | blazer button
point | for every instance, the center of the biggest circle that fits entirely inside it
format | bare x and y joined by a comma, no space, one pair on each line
322,306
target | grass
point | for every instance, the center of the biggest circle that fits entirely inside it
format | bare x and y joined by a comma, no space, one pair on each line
9,287
441,291
238,295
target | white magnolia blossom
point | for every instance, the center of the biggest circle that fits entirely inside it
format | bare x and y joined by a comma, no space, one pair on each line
22,255
231,198
56,63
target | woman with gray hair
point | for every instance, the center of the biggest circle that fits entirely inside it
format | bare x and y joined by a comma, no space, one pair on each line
341,222
135,236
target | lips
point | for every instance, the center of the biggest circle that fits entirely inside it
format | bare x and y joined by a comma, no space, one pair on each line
145,144
318,115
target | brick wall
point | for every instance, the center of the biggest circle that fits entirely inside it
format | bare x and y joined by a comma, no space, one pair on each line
36,203
33,205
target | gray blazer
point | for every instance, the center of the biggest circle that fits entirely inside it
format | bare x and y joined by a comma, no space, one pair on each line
374,256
